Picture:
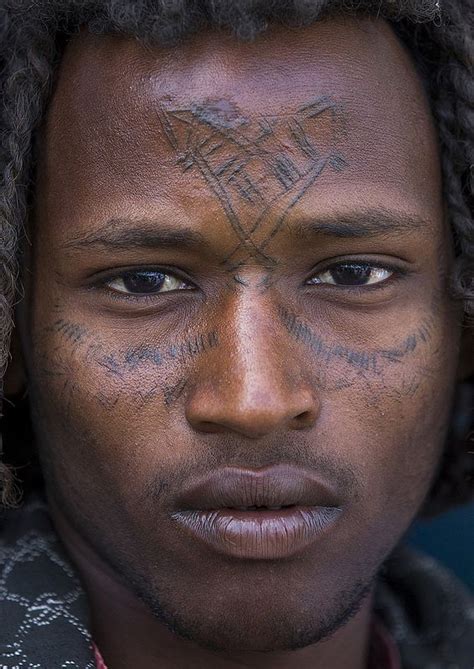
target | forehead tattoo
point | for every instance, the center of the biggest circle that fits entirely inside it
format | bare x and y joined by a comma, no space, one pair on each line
257,168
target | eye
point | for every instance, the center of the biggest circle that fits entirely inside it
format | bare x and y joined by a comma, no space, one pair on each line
146,282
352,274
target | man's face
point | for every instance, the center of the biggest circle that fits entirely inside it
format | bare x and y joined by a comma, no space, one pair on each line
239,269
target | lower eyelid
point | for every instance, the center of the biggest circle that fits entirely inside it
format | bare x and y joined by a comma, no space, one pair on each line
141,298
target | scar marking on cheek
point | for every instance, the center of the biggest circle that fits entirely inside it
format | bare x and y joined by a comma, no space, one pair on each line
410,344
110,363
303,333
173,393
258,169
144,397
148,354
117,363
367,361
107,401
75,333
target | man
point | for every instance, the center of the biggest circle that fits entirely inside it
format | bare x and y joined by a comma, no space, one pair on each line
239,335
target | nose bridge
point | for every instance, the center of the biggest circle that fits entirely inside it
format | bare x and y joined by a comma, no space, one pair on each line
254,385
256,347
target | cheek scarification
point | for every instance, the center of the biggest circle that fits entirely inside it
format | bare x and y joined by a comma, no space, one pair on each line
146,368
400,370
370,361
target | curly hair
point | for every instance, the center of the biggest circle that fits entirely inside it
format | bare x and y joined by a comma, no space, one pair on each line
33,35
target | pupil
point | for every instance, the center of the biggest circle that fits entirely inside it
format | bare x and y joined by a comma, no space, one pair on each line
351,275
143,282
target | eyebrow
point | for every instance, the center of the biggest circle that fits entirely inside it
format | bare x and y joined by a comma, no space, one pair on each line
124,234
121,234
365,223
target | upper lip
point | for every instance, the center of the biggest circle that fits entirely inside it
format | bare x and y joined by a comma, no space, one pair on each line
280,485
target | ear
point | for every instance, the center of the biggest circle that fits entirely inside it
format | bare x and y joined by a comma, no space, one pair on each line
15,378
466,357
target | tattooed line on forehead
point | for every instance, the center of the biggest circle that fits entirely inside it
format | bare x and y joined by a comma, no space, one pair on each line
258,169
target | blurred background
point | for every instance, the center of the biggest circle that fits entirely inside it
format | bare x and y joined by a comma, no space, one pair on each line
450,539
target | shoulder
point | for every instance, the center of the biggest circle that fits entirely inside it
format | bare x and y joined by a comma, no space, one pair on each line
429,612
41,598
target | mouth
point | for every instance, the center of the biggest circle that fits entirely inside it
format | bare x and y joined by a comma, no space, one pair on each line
267,514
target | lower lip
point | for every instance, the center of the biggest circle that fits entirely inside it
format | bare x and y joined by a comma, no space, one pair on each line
259,535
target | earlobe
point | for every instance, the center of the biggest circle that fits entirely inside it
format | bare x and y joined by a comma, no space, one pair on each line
15,378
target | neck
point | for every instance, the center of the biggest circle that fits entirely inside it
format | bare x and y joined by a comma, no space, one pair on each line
128,634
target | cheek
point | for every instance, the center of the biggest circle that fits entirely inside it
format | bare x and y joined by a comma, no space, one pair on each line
398,422
104,407
108,415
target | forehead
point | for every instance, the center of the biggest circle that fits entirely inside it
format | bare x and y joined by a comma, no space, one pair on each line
124,116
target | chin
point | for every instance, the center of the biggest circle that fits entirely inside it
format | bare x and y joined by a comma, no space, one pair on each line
259,626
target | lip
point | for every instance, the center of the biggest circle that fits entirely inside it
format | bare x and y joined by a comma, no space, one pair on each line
216,512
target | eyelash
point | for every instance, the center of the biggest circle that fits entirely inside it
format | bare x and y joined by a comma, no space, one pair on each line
397,273
142,298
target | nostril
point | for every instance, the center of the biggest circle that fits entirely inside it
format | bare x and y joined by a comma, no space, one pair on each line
304,419
255,413
209,427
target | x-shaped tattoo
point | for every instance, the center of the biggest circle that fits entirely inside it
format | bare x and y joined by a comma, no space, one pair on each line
258,170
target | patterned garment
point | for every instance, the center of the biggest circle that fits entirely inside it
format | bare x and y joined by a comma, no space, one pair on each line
44,618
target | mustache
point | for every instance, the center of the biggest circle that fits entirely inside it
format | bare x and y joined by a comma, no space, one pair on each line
224,451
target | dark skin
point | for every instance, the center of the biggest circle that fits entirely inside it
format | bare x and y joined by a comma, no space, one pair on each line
290,190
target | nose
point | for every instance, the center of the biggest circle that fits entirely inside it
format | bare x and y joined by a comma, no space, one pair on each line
253,383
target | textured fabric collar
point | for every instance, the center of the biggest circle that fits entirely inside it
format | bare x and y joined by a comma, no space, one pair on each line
43,608
45,620
384,653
